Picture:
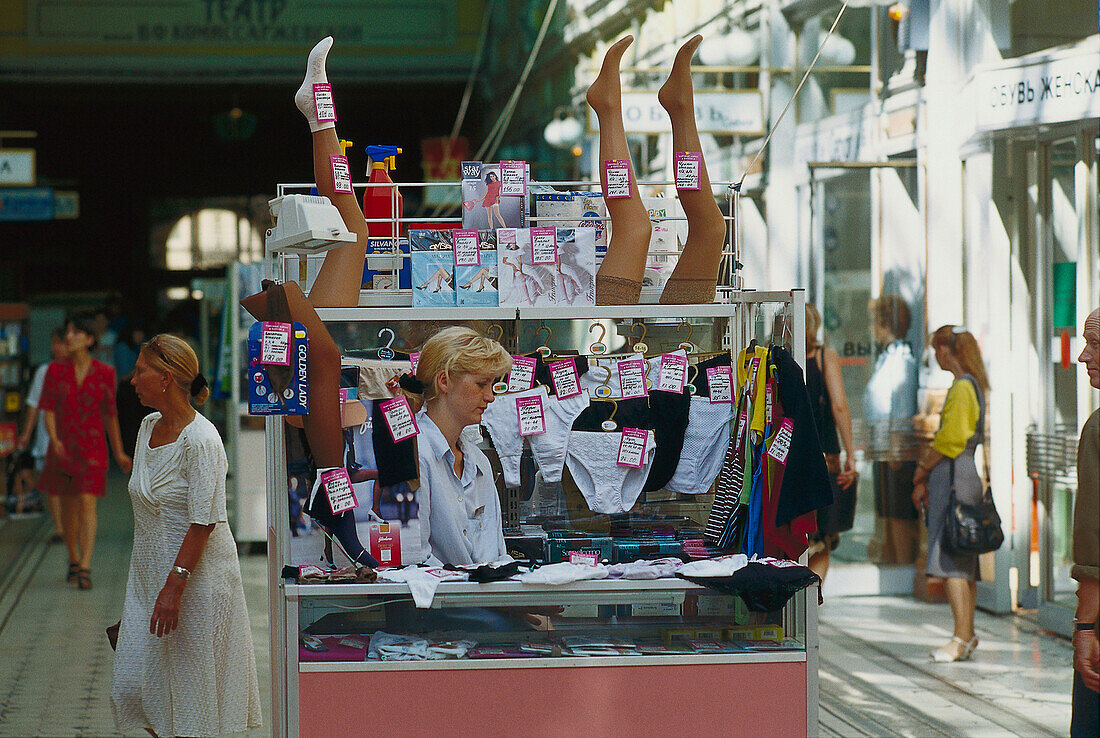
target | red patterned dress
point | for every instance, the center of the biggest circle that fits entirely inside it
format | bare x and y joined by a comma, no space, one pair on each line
80,410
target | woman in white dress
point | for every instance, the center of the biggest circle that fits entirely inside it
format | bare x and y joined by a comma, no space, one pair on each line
184,664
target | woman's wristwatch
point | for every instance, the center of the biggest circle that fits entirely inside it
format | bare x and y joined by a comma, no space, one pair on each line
182,573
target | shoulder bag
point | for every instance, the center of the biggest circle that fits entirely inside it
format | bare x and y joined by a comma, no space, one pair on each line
973,529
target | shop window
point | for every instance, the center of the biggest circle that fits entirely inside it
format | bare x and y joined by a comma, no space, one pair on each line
211,238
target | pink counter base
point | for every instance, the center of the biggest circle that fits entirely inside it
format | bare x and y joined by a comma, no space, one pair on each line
695,699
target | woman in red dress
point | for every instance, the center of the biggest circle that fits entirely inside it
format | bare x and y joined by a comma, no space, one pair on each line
78,398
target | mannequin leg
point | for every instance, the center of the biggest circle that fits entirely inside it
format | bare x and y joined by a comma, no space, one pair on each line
340,276
696,273
619,280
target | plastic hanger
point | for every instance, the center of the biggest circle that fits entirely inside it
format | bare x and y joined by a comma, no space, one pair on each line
386,352
499,335
691,379
641,346
603,390
544,349
598,347
610,424
686,344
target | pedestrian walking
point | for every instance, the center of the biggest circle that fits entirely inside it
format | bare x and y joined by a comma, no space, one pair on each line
34,427
184,663
78,397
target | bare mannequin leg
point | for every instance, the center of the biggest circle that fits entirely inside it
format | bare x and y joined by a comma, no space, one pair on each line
696,273
619,280
340,276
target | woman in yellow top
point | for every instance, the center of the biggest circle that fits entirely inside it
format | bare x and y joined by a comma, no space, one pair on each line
961,430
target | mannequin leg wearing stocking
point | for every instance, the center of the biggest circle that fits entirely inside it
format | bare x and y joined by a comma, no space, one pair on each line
696,273
287,303
340,277
619,280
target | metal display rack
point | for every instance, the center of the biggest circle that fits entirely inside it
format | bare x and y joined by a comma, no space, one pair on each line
773,691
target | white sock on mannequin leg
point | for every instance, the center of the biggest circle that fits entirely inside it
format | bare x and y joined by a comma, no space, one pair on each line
315,74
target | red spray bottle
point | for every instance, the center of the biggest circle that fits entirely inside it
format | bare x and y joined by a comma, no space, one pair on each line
380,201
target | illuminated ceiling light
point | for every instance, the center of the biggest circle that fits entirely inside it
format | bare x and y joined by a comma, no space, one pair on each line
898,11
837,52
564,131
734,47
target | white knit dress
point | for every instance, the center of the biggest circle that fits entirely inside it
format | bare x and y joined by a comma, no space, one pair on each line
200,680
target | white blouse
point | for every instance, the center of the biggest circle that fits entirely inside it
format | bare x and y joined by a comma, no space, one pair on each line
460,518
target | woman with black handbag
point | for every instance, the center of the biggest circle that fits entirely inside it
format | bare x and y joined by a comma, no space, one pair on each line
833,418
948,467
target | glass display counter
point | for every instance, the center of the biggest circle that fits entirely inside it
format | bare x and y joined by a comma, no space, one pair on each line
592,656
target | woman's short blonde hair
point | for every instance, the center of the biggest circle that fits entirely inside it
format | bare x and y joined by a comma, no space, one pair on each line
172,354
456,351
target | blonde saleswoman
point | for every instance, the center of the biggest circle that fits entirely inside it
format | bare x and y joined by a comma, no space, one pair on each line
184,664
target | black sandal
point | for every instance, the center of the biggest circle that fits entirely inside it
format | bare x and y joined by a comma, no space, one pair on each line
84,578
73,570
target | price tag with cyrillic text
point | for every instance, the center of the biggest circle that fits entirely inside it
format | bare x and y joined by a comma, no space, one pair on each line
781,444
687,169
564,376
617,176
322,101
399,418
522,376
513,178
632,446
414,359
672,373
632,378
338,490
467,252
544,245
341,173
720,380
532,420
275,343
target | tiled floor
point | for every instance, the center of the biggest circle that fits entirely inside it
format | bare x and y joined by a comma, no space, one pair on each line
55,663
875,677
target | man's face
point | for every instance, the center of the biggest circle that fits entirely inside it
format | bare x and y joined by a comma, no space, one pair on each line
1090,355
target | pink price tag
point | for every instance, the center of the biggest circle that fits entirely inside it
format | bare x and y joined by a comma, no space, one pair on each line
513,178
544,245
580,557
769,399
781,443
467,252
616,175
532,420
322,100
341,173
565,378
343,395
414,359
687,169
720,379
522,376
632,378
338,490
399,418
632,447
275,343
672,373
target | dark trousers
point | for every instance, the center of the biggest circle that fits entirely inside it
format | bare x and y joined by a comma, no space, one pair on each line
1086,710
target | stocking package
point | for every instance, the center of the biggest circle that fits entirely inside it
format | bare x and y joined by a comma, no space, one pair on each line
432,257
483,205
476,270
547,266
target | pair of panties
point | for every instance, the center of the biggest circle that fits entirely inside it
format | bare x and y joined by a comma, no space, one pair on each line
501,418
377,377
606,486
